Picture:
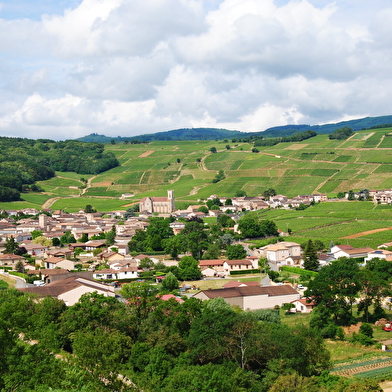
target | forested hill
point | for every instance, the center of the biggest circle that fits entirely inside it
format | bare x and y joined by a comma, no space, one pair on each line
220,134
177,134
24,161
355,125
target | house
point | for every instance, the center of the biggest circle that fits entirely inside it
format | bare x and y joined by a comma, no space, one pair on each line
208,272
279,252
127,273
109,255
353,253
163,205
10,260
49,275
302,305
385,245
62,253
325,259
379,254
106,273
252,297
216,265
237,265
58,262
35,249
236,283
71,289
296,261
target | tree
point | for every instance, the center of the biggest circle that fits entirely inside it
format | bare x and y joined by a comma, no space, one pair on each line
84,238
89,209
336,288
213,150
10,245
170,282
146,263
56,241
351,195
111,236
178,160
189,268
42,240
67,238
235,252
213,252
269,192
175,245
195,238
228,147
240,193
225,220
203,209
129,213
19,266
310,257
36,233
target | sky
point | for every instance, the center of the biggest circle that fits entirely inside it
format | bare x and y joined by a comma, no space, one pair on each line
69,68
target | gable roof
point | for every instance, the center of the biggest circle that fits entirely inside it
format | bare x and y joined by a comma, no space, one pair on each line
238,262
247,291
62,286
207,263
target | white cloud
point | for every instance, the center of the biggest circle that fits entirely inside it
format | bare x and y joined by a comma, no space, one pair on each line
130,67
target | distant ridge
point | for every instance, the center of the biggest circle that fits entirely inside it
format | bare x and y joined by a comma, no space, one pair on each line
219,133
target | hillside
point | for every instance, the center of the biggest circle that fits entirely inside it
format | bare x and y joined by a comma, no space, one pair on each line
313,165
218,134
177,134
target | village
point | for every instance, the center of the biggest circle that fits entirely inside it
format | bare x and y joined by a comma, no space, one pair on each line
88,263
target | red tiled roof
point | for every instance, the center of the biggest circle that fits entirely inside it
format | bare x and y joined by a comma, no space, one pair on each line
207,263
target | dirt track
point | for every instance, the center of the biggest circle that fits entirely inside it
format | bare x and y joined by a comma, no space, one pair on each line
349,237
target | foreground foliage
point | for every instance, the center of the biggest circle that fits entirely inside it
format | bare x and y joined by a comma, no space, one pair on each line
156,345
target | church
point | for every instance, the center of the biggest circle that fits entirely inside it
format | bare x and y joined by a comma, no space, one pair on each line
161,205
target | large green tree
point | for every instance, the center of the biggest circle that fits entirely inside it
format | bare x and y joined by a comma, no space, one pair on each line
311,261
336,287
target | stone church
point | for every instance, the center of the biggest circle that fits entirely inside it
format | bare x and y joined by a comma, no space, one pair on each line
161,205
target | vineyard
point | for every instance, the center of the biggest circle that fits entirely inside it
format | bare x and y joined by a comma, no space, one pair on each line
377,367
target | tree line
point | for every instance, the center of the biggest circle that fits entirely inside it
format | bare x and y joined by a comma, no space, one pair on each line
25,161
145,343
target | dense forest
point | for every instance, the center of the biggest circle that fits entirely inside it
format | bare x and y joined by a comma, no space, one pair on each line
147,344
24,161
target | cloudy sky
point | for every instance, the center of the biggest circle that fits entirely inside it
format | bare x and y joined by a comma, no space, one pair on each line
128,67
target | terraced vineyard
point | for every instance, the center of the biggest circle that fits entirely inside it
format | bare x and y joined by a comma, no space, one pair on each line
314,165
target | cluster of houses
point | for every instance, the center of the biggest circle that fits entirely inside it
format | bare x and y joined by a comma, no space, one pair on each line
57,263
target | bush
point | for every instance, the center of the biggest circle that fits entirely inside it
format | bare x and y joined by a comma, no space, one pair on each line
366,329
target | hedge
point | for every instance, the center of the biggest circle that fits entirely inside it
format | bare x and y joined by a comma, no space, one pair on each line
299,271
245,272
24,276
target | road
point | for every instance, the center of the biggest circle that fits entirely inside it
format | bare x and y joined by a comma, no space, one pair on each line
19,282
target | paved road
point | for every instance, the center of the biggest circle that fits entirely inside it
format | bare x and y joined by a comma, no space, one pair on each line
19,282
